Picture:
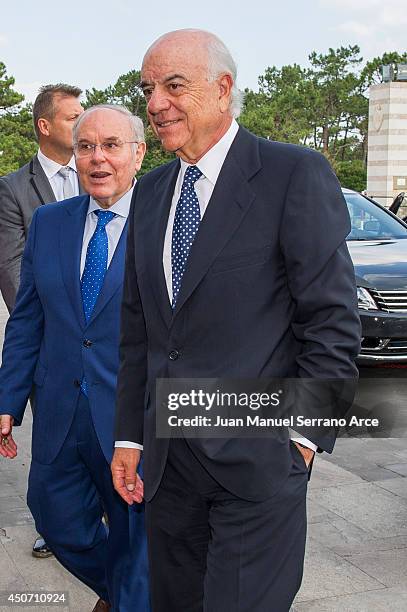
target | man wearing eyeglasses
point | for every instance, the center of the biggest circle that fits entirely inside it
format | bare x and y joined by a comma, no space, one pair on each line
49,176
63,337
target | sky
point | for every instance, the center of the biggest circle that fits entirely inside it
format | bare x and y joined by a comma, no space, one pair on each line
92,42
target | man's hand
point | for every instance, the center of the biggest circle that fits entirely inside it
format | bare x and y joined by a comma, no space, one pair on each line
8,448
307,453
126,481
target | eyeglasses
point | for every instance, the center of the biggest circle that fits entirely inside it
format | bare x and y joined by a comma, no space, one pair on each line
110,149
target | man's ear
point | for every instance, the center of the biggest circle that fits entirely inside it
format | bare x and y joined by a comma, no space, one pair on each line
141,151
43,126
225,82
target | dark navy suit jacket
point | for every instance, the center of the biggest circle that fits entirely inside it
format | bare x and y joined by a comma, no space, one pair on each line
47,340
268,291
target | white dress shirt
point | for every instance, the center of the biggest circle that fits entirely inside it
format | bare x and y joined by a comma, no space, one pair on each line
210,165
52,168
113,229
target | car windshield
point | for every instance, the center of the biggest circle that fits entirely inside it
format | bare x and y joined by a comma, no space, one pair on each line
370,222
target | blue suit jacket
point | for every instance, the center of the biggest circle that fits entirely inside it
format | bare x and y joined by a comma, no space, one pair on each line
45,341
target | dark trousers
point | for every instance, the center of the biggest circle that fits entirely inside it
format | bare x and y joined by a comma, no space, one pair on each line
214,552
67,499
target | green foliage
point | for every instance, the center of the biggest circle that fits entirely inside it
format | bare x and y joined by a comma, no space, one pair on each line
277,110
324,106
8,97
155,155
339,105
372,72
125,91
351,174
16,151
17,141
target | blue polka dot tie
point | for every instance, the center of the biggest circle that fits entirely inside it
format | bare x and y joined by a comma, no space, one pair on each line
96,263
186,223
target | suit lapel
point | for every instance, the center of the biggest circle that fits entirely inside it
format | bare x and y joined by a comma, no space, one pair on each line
40,183
154,232
114,276
230,202
71,237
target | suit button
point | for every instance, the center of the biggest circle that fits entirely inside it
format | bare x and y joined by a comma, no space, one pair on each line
87,343
77,383
173,355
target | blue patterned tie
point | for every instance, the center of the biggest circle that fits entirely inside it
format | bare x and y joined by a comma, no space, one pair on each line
96,263
186,223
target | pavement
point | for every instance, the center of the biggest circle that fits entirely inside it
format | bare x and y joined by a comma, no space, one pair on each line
356,557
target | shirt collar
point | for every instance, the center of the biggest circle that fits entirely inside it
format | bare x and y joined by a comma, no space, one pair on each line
120,208
51,167
211,163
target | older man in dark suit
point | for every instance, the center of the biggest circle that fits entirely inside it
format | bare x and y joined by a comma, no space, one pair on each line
237,267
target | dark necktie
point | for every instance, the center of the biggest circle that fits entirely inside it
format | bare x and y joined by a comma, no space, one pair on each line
186,223
96,263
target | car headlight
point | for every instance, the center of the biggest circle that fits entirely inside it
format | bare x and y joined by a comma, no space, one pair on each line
365,300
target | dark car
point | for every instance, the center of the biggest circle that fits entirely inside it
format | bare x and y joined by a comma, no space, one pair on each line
378,247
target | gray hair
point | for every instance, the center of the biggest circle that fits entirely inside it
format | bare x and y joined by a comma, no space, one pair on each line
136,123
220,61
